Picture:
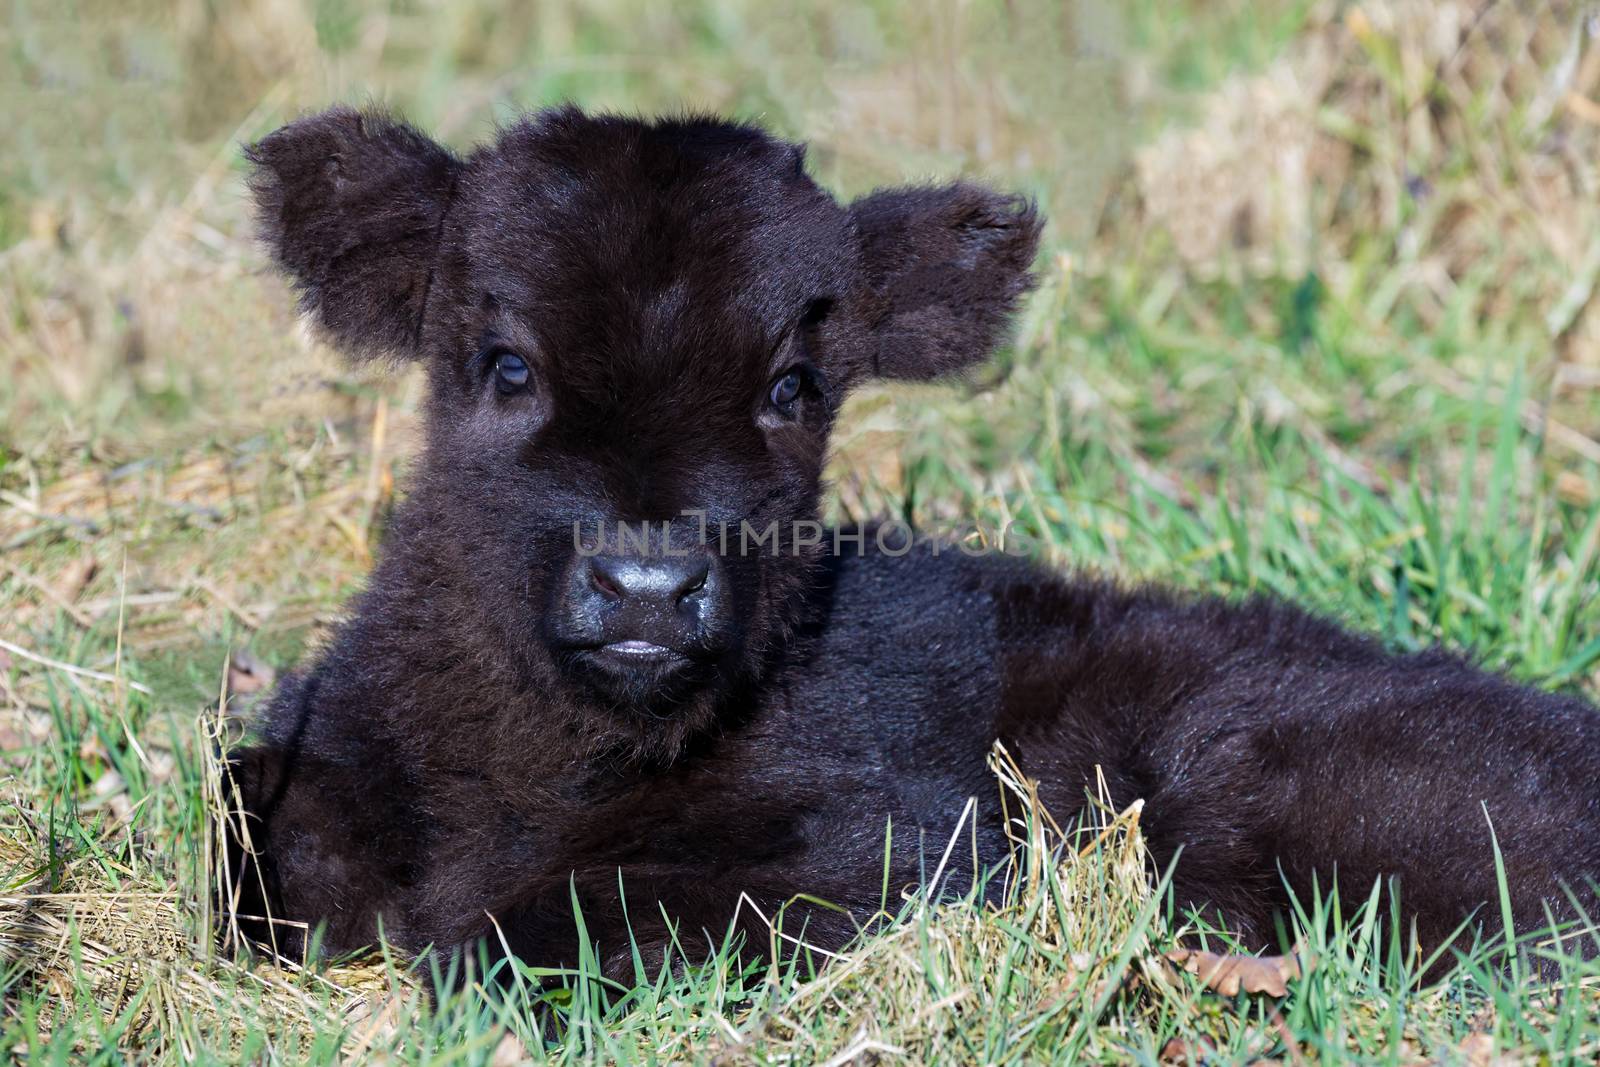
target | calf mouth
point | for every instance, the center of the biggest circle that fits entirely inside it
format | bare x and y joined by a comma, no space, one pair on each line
634,652
640,674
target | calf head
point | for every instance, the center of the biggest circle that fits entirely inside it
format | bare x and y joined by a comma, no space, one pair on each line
637,335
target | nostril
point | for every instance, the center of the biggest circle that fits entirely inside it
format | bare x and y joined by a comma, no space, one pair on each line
695,581
604,584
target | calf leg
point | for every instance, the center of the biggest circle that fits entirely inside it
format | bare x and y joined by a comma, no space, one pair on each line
1394,773
315,842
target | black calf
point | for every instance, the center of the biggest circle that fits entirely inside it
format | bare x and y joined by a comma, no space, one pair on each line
654,324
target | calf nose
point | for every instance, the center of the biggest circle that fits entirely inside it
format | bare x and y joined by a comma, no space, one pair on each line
644,605
676,602
659,584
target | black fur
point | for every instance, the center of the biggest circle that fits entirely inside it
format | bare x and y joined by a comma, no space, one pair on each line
461,752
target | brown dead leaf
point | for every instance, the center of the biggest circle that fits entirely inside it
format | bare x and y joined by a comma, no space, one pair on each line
1229,975
76,578
374,1024
1475,1050
248,674
21,731
1479,1051
508,1052
1572,488
161,765
1181,1051
110,792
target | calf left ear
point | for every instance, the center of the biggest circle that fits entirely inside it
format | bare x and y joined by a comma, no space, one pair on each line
352,205
945,267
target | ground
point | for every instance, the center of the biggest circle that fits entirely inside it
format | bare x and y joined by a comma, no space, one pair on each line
1317,316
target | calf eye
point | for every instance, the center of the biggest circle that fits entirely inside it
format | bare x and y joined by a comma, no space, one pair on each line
511,373
785,390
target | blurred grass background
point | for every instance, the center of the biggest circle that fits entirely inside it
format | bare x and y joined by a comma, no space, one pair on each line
1317,315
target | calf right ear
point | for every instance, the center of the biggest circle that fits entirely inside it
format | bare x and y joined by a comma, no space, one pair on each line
945,268
352,206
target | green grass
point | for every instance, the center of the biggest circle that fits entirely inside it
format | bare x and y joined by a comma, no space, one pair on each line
1386,411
